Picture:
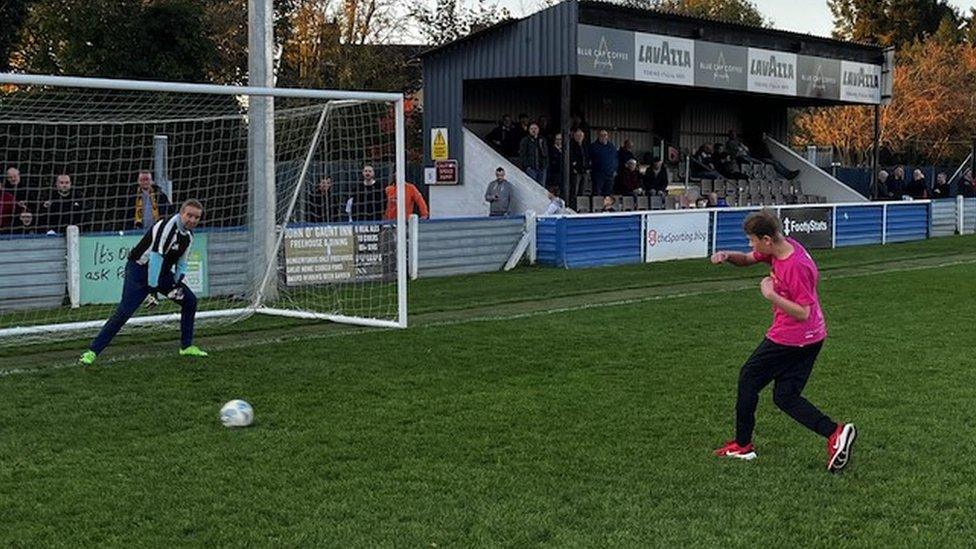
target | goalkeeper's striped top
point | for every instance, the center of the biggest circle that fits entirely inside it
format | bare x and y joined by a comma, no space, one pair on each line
168,238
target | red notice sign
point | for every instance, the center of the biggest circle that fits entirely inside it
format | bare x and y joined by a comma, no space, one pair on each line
446,172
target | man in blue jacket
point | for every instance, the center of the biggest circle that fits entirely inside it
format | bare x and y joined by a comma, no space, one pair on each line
603,160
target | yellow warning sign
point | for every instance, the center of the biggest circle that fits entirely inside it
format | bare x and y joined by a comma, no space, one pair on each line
438,140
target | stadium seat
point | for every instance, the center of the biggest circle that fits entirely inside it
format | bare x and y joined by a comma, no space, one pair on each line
669,202
628,204
643,203
770,171
657,203
583,204
707,186
754,188
797,187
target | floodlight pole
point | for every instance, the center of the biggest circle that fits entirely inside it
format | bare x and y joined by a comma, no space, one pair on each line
260,146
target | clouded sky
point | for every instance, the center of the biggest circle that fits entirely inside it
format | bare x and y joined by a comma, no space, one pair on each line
806,16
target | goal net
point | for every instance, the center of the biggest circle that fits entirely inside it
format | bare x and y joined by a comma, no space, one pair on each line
300,192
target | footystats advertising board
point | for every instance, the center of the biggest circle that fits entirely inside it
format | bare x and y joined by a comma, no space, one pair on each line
811,227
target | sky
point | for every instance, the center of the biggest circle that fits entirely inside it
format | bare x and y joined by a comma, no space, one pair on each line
806,16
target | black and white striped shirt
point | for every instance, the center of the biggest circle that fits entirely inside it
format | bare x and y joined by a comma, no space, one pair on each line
168,238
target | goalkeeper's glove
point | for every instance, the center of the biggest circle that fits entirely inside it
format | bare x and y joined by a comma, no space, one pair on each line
151,301
176,294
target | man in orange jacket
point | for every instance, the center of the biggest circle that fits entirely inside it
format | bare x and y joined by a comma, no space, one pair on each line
414,200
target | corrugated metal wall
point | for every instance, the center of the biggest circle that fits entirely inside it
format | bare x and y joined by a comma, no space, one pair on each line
907,222
227,262
33,273
728,231
943,220
574,242
859,226
462,246
543,44
969,216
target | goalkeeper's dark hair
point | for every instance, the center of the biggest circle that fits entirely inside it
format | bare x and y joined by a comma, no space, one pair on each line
763,223
193,203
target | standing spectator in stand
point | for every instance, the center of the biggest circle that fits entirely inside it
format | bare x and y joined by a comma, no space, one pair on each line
603,162
703,164
534,155
150,202
499,194
879,189
655,179
556,204
941,187
8,208
967,186
367,201
545,130
521,130
500,138
577,122
322,204
629,179
14,187
579,164
896,184
624,154
64,206
414,201
554,175
918,188
738,149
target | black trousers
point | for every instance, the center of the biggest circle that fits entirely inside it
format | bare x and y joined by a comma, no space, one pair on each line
789,368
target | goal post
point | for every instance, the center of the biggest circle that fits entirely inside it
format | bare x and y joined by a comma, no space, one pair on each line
337,249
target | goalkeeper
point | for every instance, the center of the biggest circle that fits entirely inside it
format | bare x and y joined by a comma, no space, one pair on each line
157,265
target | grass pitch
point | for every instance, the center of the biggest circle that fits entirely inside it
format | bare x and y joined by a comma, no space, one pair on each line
539,407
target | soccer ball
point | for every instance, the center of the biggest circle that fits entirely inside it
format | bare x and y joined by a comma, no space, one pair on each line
236,413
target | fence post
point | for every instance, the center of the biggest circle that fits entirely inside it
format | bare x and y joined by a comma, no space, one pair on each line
73,243
833,228
414,239
960,212
884,224
530,229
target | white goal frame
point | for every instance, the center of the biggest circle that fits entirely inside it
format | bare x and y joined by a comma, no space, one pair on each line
256,305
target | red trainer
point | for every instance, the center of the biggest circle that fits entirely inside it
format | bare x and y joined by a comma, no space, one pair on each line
840,446
733,450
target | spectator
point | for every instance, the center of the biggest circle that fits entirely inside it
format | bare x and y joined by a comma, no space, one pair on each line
896,184
24,223
714,201
521,130
703,165
415,201
556,204
8,207
14,187
322,204
624,154
941,187
545,131
534,155
738,149
368,199
918,188
63,207
499,194
603,163
150,203
879,189
500,138
609,204
579,163
554,174
576,122
725,163
967,187
655,179
629,179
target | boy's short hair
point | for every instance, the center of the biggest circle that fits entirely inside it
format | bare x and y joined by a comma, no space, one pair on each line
763,223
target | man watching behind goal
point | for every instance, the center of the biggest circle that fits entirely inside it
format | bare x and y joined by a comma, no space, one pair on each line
157,265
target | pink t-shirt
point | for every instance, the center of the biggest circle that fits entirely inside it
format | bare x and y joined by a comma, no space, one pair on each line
796,279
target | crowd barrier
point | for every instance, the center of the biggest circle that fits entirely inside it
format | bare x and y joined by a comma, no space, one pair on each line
634,237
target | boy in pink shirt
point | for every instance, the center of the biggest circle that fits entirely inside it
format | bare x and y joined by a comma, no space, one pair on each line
786,355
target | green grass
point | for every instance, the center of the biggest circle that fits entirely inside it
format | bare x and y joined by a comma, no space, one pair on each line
589,427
